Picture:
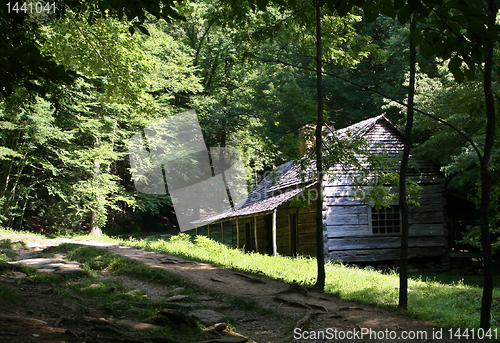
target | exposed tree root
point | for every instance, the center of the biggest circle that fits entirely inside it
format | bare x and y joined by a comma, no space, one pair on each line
301,323
250,278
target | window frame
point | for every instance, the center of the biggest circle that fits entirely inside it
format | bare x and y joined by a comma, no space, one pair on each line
384,210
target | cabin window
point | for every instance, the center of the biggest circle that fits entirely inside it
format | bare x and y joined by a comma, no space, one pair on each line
385,221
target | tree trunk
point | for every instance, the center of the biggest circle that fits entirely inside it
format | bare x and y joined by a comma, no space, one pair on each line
95,229
403,203
486,177
320,282
222,162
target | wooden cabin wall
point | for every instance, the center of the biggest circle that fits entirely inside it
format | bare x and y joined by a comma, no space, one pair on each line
305,231
349,236
282,232
249,223
305,241
347,222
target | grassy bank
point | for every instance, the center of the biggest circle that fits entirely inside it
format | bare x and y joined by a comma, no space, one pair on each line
454,305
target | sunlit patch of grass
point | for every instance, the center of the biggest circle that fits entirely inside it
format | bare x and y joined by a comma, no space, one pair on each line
10,255
204,249
437,302
19,239
9,244
95,259
454,305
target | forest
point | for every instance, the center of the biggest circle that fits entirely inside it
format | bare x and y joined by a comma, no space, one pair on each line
64,136
79,78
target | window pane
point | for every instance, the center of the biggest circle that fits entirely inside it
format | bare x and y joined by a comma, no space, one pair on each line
385,220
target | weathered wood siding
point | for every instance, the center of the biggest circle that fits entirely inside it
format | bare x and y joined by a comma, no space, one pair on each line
347,227
305,231
348,230
248,223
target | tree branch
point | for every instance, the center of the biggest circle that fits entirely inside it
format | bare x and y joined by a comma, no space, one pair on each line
369,89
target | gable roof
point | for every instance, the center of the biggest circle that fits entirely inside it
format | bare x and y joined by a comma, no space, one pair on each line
270,193
361,128
285,182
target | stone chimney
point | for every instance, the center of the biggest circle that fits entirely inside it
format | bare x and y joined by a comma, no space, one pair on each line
307,136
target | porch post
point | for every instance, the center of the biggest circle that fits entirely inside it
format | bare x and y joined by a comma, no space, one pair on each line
275,246
237,234
255,232
290,233
208,231
222,231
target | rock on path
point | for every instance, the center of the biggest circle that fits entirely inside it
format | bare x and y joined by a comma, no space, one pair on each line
50,265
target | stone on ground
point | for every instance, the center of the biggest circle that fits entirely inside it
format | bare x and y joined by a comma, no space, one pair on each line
207,317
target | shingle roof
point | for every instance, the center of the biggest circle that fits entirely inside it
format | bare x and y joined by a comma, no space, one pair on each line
361,128
285,182
266,196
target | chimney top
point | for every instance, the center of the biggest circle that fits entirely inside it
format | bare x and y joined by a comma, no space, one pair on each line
307,136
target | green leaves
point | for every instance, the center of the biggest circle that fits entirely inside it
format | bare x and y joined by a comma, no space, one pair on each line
262,4
370,10
404,14
452,29
387,8
67,163
426,50
140,27
24,65
454,66
343,7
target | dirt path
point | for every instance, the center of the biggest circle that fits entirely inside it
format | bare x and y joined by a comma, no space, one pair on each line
326,317
347,317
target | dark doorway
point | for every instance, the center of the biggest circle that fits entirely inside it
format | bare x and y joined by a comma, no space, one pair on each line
248,238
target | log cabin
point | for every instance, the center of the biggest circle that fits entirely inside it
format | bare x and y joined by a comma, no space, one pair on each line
269,221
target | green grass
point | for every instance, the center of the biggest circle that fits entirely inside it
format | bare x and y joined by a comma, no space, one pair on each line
215,234
113,295
7,294
455,305
444,300
95,260
6,249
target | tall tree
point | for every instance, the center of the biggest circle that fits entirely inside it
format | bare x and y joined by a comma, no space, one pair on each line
293,22
320,255
403,203
461,32
70,160
475,31
25,66
486,170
